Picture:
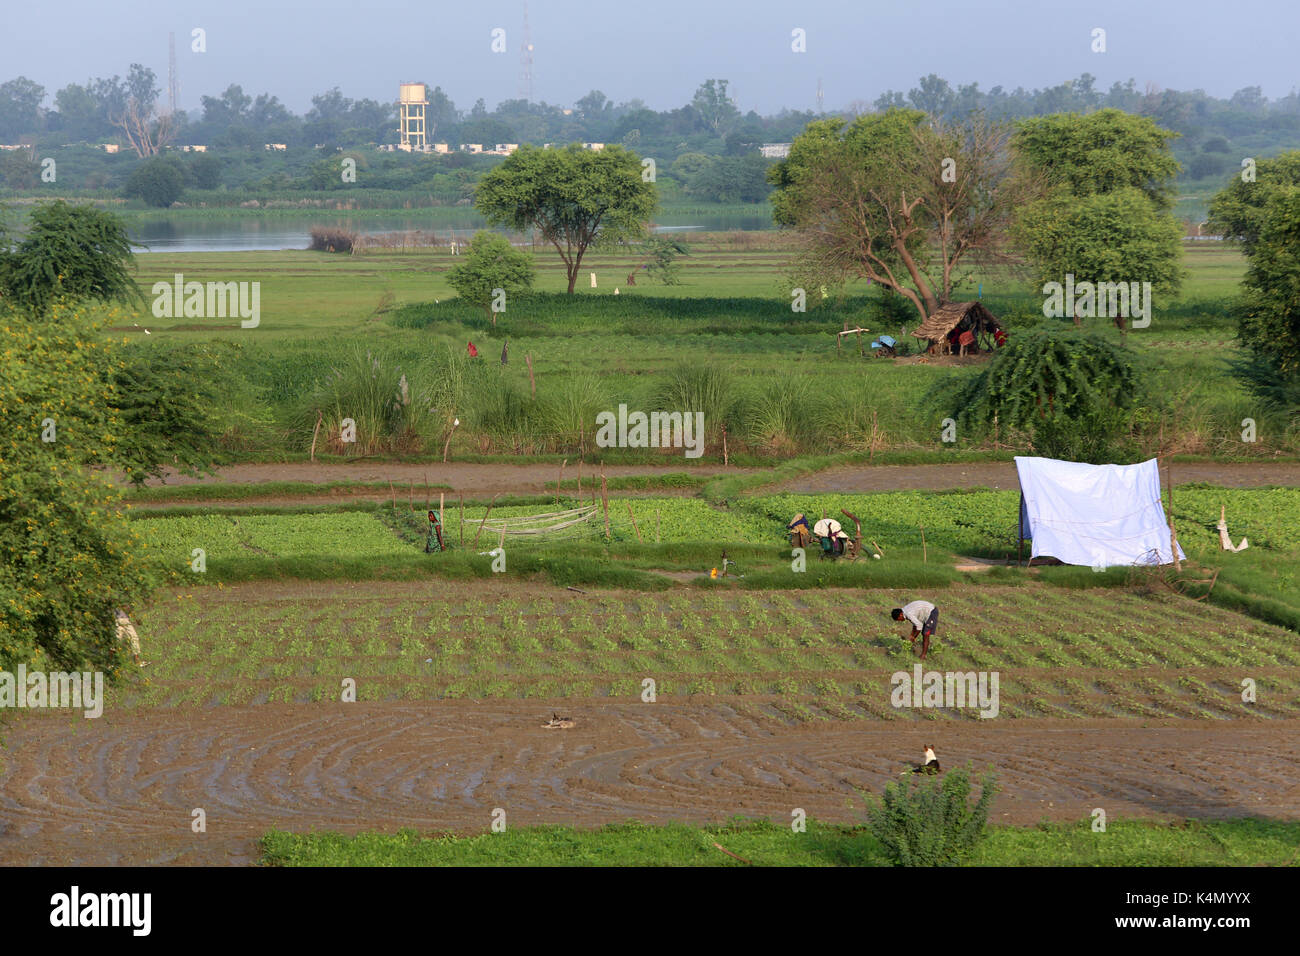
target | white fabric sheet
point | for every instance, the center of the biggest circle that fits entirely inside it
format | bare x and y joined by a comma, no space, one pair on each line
1098,515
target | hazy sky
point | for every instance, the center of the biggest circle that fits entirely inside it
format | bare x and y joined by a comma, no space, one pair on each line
657,50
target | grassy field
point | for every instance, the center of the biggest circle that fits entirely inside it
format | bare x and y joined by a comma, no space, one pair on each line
789,389
809,655
760,843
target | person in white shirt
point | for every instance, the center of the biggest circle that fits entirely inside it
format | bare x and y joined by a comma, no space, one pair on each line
931,765
126,633
924,618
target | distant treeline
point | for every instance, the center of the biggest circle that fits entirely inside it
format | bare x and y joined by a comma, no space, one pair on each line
706,150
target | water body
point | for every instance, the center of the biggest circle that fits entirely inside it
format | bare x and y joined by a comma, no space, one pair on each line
251,233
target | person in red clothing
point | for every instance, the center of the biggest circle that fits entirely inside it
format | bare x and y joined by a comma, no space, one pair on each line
473,352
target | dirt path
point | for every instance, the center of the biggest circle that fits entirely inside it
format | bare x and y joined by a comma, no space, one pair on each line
120,790
858,478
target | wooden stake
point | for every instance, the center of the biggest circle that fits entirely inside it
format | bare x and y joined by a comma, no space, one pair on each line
924,558
447,443
392,495
634,527
410,492
462,519
559,486
604,499
485,517
724,446
578,496
315,432
502,543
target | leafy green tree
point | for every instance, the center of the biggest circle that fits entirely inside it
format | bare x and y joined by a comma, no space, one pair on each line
714,106
1269,316
1105,217
1117,236
1102,152
158,181
205,170
489,264
1070,392
934,822
1238,210
167,400
573,197
74,251
659,259
68,556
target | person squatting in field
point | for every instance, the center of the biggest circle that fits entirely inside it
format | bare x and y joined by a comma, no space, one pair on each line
924,618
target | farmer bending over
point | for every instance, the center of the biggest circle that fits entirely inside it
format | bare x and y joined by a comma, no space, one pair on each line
126,633
924,618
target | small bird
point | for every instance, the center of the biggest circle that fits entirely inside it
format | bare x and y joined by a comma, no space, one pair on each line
931,765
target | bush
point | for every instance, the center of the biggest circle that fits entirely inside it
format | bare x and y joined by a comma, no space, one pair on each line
158,181
933,823
332,239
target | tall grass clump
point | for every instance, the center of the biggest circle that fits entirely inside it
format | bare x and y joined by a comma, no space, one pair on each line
332,239
779,419
569,411
502,415
698,388
388,411
932,823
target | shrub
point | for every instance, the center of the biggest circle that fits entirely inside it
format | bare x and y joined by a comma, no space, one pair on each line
933,823
332,239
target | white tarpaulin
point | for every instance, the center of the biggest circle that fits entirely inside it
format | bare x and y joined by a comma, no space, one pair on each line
1098,515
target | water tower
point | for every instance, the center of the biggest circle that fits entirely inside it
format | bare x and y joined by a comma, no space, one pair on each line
411,103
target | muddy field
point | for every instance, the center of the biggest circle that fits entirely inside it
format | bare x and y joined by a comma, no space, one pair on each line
120,790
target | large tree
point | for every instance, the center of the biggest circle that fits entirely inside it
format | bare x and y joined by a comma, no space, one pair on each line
1105,218
899,200
573,197
1238,211
75,251
68,556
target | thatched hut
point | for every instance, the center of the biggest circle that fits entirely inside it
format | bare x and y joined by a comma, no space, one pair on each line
961,327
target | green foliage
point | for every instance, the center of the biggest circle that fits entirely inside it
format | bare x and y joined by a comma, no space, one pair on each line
1117,236
573,197
158,181
933,823
692,387
1069,391
1099,153
168,401
70,251
489,264
662,255
67,555
1269,317
1239,210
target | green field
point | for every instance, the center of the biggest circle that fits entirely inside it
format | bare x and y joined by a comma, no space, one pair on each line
789,389
760,843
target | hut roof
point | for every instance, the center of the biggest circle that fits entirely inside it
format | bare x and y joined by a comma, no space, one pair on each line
945,318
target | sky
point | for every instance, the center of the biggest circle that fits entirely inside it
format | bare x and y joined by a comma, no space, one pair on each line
658,51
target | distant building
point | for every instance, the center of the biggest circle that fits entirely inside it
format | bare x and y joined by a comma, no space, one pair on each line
441,148
472,147
775,150
185,149
595,147
277,147
503,149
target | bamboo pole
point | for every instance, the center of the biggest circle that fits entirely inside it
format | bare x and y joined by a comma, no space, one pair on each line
578,496
604,499
314,433
724,447
634,527
485,517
